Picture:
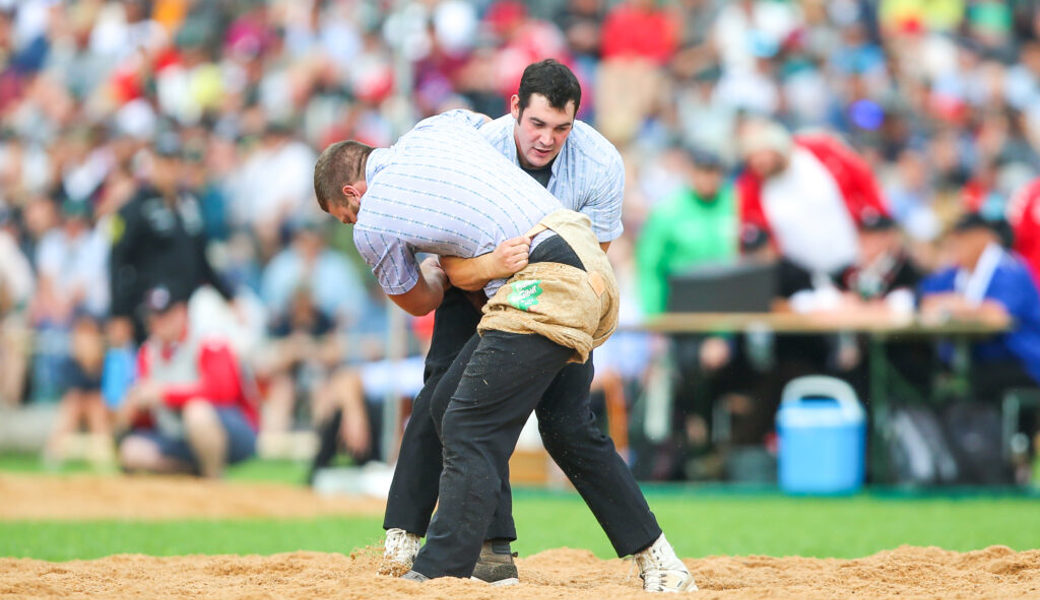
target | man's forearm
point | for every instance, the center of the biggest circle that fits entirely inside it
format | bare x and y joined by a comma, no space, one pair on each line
472,274
956,306
427,293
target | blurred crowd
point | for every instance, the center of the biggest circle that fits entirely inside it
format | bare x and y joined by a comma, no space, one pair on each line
862,143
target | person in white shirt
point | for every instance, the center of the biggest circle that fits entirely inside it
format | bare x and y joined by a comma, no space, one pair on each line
16,288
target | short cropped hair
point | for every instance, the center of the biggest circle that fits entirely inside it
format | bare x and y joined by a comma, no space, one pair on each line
342,163
550,79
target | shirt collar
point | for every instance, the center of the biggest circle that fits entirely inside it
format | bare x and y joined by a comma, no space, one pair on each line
559,157
975,283
378,159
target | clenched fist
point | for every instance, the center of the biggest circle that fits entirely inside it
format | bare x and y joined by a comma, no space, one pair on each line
471,274
511,256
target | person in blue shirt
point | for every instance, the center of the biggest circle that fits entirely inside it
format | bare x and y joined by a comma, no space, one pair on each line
988,283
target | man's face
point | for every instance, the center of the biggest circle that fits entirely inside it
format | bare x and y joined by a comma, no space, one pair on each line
74,225
169,326
166,172
345,208
541,130
765,163
308,243
301,307
872,244
705,181
966,246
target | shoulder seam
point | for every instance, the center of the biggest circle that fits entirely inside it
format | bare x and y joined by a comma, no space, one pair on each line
596,138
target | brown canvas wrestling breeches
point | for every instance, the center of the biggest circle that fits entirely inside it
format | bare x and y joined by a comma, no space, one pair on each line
572,307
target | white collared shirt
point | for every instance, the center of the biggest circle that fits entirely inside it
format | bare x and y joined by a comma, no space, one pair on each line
973,285
588,174
808,215
442,189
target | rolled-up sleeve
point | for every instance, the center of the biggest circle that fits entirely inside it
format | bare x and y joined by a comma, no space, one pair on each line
391,259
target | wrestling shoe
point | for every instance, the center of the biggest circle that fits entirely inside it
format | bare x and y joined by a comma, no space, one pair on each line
495,565
415,576
662,571
399,550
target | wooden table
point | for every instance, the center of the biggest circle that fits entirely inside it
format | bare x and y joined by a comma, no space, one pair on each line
785,322
879,329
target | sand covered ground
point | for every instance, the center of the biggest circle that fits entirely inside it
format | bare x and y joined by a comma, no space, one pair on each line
81,497
904,573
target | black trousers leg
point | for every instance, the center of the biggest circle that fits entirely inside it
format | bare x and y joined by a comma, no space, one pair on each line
589,459
502,526
328,443
586,455
413,491
500,387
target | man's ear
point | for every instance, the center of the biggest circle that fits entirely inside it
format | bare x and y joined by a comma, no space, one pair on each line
514,107
349,190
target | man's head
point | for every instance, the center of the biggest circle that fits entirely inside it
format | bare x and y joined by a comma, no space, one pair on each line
544,109
308,241
765,146
166,162
302,308
77,216
705,172
167,314
969,238
878,235
339,179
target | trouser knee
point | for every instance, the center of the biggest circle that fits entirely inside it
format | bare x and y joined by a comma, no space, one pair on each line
561,434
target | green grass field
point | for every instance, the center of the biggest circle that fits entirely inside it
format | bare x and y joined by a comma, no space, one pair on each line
697,526
699,522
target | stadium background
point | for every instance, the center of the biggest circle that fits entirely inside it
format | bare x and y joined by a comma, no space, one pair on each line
938,97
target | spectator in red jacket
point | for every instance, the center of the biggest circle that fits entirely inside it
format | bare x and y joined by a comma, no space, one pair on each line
189,410
639,28
638,40
1024,218
809,192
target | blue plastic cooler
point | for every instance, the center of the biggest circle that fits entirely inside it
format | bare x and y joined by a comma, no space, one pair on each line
822,435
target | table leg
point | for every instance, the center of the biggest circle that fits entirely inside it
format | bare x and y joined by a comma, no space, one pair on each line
961,367
877,409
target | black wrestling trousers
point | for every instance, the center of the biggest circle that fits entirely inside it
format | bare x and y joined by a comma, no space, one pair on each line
414,489
482,404
500,387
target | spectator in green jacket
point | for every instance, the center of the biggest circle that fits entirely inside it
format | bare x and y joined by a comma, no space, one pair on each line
696,225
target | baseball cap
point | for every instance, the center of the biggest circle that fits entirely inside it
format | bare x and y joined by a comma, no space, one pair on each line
76,208
763,134
973,220
704,158
875,221
307,225
278,127
160,299
168,145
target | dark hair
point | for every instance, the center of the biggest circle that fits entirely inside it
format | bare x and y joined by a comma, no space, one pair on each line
550,79
342,163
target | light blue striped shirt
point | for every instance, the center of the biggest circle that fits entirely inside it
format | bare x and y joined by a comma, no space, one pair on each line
442,189
587,176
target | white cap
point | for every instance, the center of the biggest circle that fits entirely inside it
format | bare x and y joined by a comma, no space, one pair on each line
764,134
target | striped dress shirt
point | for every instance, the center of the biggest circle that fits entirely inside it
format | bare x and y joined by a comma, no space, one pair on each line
442,189
587,176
